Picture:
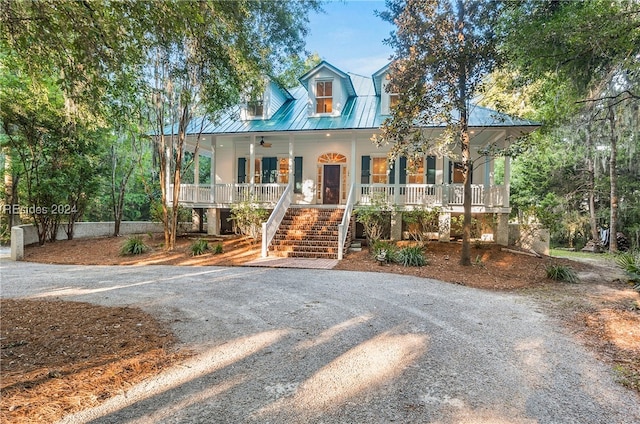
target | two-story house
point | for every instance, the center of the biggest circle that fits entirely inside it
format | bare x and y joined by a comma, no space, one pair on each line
307,152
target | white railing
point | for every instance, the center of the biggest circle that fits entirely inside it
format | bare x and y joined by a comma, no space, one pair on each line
270,227
226,194
343,227
429,195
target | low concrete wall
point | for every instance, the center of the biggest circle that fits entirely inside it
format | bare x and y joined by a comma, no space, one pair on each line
529,237
29,235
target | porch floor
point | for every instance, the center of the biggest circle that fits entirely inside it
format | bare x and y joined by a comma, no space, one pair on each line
307,263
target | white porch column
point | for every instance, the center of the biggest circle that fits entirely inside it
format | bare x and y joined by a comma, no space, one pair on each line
396,186
196,169
487,181
212,169
252,161
354,160
507,180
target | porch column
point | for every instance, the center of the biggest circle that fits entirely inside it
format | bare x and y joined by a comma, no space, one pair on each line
444,227
396,186
252,162
487,181
212,170
353,174
502,238
213,222
507,180
196,174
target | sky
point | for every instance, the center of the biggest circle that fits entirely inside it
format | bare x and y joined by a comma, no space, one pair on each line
349,36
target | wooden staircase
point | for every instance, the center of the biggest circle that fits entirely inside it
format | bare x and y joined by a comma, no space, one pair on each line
309,233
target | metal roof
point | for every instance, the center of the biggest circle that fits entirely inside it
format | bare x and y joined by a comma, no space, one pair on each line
361,111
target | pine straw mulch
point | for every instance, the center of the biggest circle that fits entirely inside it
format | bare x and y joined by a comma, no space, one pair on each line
59,357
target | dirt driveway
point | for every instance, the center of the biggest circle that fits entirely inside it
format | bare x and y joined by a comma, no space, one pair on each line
282,345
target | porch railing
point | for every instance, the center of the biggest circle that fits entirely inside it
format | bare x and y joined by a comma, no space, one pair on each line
226,194
270,227
430,195
343,227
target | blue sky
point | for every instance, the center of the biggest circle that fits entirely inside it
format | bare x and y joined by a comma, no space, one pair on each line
349,36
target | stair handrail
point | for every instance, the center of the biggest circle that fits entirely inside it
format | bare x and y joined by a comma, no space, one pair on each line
343,227
270,227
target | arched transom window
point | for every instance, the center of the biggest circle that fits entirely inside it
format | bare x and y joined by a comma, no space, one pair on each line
332,158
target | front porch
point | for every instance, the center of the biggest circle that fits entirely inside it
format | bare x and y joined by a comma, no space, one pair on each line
489,199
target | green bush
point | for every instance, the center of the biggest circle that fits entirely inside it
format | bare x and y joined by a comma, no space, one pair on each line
421,221
133,246
411,256
375,217
384,251
247,218
218,249
199,247
561,273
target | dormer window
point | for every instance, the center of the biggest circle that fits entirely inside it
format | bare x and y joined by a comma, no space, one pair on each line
255,108
393,100
324,96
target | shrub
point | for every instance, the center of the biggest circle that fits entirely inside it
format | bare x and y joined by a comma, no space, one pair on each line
199,247
561,273
218,249
630,263
411,256
133,246
247,218
420,221
375,217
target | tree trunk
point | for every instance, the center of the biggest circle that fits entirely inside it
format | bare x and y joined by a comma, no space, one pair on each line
591,184
465,256
613,220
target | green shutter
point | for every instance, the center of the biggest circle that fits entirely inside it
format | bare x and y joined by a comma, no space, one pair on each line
242,170
366,170
297,174
431,169
403,170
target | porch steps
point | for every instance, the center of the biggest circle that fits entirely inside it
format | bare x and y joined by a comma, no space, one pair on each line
309,233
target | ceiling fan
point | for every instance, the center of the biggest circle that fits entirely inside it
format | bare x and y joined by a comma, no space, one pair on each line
263,144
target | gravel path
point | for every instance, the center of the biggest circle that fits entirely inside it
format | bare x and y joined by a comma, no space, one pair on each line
299,346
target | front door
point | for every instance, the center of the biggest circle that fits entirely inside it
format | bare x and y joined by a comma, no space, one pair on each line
331,194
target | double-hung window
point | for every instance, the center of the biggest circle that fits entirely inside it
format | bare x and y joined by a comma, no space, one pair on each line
324,96
255,108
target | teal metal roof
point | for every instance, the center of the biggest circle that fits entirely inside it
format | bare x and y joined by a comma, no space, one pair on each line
361,111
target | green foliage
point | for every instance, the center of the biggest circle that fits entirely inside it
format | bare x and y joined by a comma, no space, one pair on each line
384,251
630,263
247,218
375,217
561,273
411,256
133,246
457,224
199,247
420,221
218,249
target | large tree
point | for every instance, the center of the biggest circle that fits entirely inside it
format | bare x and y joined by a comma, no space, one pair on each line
443,50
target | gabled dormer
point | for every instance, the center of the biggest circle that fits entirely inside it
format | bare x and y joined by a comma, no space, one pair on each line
328,88
263,105
380,83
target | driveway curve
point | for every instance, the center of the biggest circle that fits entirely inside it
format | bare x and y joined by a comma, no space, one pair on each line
300,346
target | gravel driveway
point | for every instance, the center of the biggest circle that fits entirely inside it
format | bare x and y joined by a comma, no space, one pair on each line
299,346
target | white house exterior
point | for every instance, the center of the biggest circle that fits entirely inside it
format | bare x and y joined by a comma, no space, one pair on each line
315,140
